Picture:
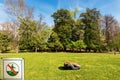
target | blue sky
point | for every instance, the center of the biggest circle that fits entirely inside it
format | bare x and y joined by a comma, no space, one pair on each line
48,7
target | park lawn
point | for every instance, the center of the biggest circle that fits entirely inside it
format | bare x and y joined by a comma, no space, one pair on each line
48,66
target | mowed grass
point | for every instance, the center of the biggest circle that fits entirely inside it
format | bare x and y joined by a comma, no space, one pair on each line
48,66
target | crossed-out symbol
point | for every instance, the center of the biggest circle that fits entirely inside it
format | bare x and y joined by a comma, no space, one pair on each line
12,69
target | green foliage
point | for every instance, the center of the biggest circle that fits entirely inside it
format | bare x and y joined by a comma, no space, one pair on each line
60,15
26,32
78,31
63,26
4,41
70,33
54,42
40,39
33,36
79,45
92,36
74,13
115,43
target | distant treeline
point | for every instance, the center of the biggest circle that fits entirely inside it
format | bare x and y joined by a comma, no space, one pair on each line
90,32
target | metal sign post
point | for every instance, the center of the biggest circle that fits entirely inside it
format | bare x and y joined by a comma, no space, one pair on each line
12,69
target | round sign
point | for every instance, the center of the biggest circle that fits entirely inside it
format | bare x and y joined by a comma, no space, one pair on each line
12,69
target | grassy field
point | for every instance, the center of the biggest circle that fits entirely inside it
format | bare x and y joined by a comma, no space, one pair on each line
48,66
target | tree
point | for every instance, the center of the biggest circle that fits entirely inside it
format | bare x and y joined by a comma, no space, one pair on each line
78,31
74,13
10,29
79,45
41,35
54,42
33,34
17,9
41,38
115,41
26,31
109,29
63,26
4,41
91,27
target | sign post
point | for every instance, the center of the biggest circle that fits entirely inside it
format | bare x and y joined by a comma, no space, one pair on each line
12,69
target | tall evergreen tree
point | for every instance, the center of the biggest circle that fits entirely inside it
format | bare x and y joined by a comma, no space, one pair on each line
63,26
91,36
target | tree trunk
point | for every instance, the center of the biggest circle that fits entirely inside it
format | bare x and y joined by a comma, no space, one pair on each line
35,49
17,49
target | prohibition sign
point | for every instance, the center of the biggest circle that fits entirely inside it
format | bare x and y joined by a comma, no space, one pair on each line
12,69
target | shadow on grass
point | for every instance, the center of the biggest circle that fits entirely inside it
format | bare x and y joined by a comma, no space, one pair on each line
62,68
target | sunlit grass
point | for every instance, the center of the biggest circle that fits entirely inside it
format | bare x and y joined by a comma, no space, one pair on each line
47,66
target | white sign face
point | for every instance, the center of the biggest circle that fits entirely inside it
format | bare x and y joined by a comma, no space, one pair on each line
13,68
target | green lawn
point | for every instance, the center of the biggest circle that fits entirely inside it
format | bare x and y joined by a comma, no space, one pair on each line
48,66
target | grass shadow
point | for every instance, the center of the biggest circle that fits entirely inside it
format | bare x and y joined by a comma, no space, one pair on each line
62,68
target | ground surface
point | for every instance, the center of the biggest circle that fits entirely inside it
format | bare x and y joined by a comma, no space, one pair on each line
48,66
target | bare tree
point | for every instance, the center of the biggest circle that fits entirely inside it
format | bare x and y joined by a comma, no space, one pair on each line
17,9
110,24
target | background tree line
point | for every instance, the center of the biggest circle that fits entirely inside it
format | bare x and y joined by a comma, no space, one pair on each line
90,32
